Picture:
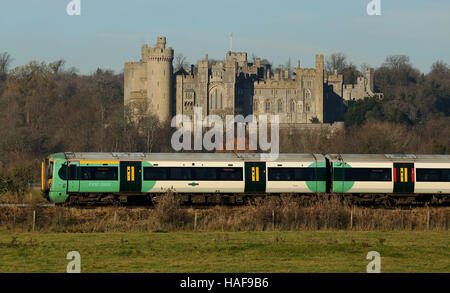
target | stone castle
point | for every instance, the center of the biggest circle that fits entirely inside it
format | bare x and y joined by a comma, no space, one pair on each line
236,86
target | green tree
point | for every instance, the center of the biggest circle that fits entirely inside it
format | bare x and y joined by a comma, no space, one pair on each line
363,110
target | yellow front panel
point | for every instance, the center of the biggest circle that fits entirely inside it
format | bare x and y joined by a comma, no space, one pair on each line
132,173
128,173
257,173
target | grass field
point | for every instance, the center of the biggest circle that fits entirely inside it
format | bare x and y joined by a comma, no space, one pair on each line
325,251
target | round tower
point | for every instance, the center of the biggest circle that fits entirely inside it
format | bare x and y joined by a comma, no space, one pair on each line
159,79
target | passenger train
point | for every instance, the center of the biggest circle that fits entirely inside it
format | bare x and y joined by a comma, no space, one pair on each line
72,177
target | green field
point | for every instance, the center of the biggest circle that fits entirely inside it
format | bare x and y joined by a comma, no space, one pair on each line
328,251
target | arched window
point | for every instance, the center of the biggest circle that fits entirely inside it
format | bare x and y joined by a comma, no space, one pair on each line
308,108
221,101
255,106
292,106
267,106
308,94
280,106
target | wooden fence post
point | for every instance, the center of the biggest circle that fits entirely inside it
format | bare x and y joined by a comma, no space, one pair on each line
295,220
351,218
273,220
34,220
195,220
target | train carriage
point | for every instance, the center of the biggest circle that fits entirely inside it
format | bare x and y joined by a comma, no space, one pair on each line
390,174
432,174
112,175
101,174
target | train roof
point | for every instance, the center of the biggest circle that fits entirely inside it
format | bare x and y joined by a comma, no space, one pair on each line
189,157
387,157
251,157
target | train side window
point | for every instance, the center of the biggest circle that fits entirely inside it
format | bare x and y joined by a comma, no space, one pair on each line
304,174
180,173
367,174
292,174
193,173
72,172
62,173
187,173
433,175
321,174
280,174
379,175
155,173
229,174
65,170
98,173
205,173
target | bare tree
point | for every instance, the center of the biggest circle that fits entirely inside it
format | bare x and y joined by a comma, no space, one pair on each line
266,62
57,66
440,68
149,126
5,61
363,67
180,61
336,61
288,65
396,61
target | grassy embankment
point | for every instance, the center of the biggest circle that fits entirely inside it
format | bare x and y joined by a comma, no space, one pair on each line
300,251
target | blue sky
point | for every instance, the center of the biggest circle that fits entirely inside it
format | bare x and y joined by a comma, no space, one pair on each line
110,32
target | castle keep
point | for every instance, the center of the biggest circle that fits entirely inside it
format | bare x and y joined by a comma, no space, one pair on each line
149,82
236,86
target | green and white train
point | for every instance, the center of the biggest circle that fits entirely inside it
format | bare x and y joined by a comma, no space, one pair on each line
72,177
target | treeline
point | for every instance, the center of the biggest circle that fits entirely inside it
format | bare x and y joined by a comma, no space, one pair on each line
410,97
374,137
47,108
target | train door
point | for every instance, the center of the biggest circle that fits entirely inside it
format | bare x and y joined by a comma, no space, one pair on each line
255,177
404,177
130,176
73,182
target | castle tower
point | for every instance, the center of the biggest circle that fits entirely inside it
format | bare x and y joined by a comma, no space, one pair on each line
203,80
370,80
159,78
318,87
